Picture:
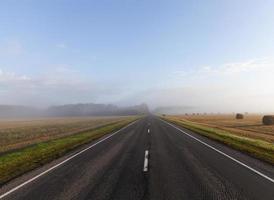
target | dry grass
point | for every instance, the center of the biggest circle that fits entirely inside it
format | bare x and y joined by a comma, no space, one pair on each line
251,126
15,134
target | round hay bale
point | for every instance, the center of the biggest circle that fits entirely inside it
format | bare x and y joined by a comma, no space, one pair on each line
239,116
268,120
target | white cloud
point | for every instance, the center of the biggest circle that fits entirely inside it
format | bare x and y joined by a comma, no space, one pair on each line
61,85
232,68
11,47
61,45
255,65
236,86
12,77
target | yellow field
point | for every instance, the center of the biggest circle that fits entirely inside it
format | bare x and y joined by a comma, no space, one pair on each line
251,126
16,134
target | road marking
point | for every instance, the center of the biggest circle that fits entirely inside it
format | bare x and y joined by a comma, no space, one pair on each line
148,131
63,162
146,161
224,154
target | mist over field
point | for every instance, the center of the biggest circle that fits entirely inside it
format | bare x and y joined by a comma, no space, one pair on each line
71,110
228,88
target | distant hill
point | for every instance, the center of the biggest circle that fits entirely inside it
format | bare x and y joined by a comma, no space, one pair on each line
82,110
89,109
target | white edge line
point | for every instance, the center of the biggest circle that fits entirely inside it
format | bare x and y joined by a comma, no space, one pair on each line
146,161
63,162
220,152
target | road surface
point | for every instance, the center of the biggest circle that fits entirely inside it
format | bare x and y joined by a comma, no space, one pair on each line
152,159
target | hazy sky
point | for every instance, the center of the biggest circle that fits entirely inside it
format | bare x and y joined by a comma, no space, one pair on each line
216,55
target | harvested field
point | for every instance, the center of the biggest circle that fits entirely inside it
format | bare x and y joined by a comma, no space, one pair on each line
251,126
20,161
15,134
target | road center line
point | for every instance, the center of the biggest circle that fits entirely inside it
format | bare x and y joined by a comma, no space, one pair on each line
63,162
148,130
146,161
224,154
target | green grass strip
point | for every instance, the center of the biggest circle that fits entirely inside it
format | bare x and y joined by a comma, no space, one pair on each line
21,161
257,148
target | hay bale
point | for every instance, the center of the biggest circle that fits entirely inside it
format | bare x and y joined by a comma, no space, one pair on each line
268,120
239,116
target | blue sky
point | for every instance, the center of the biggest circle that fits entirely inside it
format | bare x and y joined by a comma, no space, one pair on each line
133,51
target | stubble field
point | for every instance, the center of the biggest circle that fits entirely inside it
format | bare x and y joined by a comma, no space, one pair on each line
16,134
251,126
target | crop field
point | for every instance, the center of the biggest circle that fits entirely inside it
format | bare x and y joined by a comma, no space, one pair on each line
251,126
15,134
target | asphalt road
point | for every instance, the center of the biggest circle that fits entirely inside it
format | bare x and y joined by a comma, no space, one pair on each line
177,166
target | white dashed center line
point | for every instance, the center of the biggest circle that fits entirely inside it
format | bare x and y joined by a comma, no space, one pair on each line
146,161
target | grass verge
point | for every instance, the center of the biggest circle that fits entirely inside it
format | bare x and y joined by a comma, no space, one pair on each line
257,148
21,161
